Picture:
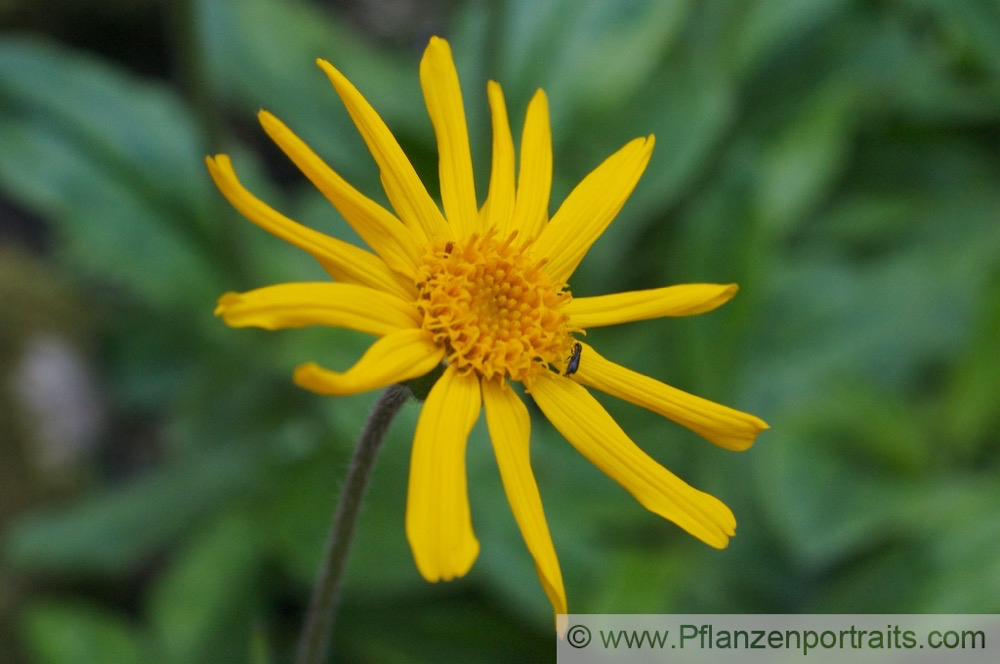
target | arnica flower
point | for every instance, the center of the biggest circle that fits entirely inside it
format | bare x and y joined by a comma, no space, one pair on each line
482,292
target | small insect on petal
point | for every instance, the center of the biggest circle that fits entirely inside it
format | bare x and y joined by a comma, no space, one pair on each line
574,360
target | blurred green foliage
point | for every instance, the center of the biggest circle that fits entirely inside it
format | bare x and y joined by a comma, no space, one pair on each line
839,160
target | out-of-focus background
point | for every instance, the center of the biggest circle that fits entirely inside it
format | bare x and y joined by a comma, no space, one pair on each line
165,490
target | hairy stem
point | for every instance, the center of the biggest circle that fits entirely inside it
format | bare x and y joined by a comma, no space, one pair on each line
315,639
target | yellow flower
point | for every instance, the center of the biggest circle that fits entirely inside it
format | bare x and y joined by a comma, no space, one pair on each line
482,290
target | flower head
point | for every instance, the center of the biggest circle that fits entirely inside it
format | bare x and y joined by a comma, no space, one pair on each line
482,291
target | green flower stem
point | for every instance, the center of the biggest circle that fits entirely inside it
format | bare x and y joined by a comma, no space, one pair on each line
315,639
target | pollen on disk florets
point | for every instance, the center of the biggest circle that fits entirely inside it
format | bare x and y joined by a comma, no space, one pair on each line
493,307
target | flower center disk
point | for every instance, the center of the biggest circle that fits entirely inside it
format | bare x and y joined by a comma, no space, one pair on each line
494,308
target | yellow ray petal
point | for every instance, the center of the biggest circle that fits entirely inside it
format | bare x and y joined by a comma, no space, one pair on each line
396,357
334,304
724,426
534,178
406,192
343,261
510,430
443,97
438,522
595,434
590,207
682,300
499,206
390,239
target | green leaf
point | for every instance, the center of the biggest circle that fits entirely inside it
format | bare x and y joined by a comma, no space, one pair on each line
764,28
113,163
72,633
961,542
799,165
826,507
588,56
971,30
262,54
972,397
117,530
203,607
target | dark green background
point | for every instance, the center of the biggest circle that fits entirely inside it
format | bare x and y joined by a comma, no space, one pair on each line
839,160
